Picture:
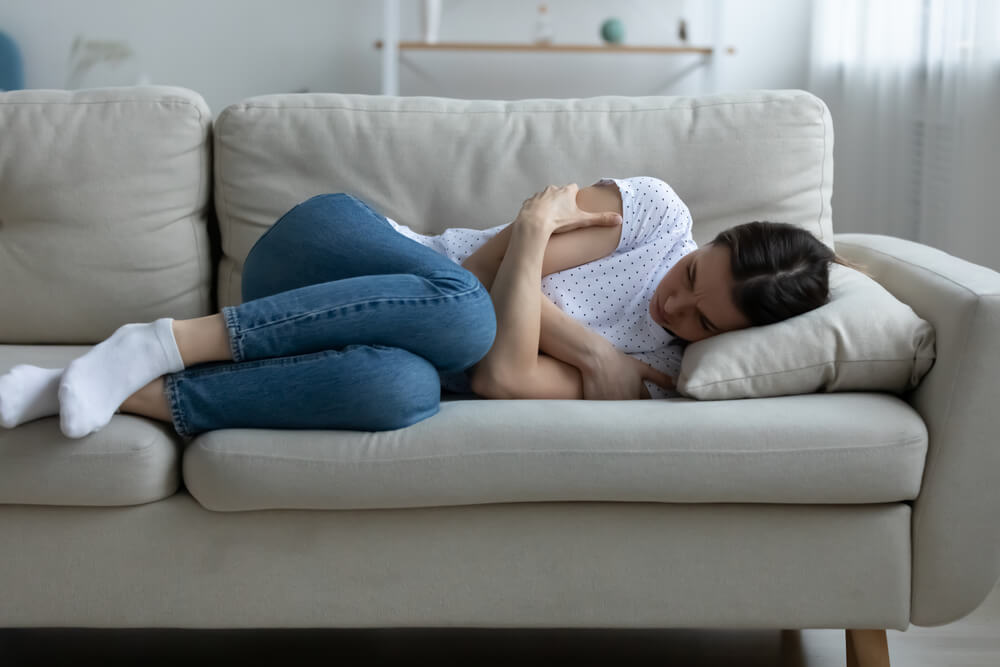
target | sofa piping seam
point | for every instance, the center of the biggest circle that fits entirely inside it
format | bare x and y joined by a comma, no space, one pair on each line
204,207
899,444
248,106
804,368
822,179
224,212
150,100
896,258
915,519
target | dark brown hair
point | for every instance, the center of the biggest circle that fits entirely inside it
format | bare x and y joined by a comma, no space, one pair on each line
779,270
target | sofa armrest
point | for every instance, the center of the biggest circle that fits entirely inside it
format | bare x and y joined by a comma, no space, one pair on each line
956,517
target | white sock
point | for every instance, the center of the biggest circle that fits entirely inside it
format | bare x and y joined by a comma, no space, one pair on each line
28,393
96,384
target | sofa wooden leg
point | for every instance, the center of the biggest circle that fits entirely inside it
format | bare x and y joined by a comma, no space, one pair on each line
866,648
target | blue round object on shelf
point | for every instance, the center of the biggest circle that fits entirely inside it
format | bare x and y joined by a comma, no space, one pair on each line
613,31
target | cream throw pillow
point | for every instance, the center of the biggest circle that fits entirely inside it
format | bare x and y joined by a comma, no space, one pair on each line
863,339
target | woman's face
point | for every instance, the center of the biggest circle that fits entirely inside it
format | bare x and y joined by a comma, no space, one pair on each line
694,300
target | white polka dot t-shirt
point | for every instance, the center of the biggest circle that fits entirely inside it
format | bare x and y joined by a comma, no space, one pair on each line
610,295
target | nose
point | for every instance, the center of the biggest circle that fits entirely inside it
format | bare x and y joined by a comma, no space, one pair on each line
676,305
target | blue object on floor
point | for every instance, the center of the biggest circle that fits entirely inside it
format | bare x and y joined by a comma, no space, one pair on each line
11,69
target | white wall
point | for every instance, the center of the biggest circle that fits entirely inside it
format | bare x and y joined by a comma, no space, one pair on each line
771,38
232,49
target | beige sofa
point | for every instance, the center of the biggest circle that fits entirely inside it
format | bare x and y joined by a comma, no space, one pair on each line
840,510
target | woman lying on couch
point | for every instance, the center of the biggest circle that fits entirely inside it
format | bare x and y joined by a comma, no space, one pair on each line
352,321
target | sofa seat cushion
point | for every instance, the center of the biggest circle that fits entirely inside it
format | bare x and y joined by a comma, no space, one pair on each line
132,460
811,448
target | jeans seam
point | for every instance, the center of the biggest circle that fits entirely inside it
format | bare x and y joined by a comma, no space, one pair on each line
233,325
351,305
180,423
269,361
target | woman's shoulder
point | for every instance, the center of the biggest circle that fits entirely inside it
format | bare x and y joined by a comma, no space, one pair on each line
655,193
644,187
651,212
653,187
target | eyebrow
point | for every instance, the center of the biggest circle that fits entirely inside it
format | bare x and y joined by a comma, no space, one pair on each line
694,277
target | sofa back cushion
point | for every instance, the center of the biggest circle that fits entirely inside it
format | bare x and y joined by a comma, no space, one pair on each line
434,163
103,211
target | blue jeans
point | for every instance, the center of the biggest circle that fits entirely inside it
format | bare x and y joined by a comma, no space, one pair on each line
345,324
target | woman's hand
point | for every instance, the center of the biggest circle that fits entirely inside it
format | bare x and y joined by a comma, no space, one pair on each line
554,209
615,376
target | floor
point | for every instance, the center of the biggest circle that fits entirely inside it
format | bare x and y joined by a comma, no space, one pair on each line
971,642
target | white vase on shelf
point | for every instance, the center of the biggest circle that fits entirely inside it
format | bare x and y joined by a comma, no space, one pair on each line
431,23
543,26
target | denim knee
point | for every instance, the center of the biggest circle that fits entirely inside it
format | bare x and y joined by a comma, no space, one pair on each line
256,280
483,331
332,202
260,277
414,394
268,259
474,316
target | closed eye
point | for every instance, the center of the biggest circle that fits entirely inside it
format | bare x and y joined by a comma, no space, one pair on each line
705,324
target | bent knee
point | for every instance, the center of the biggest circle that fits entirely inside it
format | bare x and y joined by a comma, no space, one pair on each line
328,200
455,280
414,394
472,322
480,332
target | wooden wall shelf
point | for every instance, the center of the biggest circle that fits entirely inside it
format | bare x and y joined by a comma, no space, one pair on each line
392,46
547,48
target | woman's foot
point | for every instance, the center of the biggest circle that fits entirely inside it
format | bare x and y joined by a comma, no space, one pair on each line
150,401
95,385
98,383
28,393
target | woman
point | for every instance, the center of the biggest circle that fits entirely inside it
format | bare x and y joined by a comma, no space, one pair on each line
348,324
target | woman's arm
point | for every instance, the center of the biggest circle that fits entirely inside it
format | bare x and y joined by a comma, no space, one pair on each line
565,339
513,368
561,336
564,250
517,299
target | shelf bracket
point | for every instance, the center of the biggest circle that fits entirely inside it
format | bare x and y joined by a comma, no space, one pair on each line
390,49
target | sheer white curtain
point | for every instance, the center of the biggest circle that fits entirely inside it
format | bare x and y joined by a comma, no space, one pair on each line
914,90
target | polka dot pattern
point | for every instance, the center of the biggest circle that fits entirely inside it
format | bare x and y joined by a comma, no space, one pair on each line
610,295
